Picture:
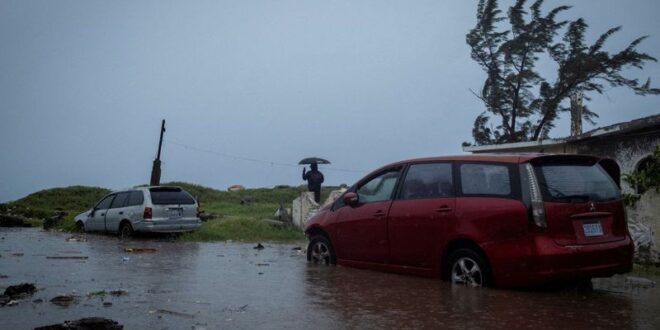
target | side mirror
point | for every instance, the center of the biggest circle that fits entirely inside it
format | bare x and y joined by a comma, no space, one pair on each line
351,198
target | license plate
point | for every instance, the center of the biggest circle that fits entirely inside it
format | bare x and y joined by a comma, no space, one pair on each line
592,229
175,213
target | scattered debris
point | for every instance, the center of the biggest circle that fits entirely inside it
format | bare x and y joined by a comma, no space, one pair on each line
76,238
125,259
260,273
261,265
259,247
38,301
297,248
140,250
12,303
97,323
119,292
20,290
18,254
100,293
246,200
64,300
220,255
68,257
107,304
207,216
4,300
165,311
199,326
232,309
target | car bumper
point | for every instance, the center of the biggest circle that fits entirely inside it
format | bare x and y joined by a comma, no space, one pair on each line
167,226
543,261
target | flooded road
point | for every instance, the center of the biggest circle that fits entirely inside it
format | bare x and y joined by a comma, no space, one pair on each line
234,286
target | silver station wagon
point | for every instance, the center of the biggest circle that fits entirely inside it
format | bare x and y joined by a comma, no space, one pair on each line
145,209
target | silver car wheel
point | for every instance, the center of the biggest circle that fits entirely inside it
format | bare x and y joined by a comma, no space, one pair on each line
320,253
466,271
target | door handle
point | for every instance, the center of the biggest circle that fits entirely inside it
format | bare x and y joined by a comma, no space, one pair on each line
379,214
443,208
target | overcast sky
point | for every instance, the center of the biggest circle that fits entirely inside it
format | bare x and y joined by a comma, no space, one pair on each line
248,88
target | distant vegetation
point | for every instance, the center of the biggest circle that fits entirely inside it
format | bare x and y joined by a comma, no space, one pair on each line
229,218
53,208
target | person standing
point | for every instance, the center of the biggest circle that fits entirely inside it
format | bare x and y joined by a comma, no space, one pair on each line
314,179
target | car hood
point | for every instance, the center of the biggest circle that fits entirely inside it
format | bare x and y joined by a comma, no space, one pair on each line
83,215
318,218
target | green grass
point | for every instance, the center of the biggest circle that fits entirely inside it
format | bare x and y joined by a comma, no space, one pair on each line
243,229
233,220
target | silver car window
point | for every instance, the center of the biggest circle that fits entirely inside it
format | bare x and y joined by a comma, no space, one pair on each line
120,200
105,203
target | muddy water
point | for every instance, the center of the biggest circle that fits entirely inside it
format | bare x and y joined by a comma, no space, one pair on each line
233,286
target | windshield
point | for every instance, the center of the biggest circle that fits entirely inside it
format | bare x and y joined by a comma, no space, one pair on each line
561,182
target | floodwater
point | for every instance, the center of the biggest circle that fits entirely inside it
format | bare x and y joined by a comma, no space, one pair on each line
233,286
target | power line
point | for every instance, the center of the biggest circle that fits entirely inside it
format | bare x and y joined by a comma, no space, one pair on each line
252,160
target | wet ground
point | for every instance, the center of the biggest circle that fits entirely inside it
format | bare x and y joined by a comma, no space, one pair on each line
174,285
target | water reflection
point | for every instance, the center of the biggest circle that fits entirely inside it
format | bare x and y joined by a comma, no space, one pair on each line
369,299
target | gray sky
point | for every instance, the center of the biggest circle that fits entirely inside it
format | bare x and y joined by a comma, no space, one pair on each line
84,85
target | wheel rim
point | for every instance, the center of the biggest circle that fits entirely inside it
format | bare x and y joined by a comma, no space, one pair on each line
321,253
125,231
466,271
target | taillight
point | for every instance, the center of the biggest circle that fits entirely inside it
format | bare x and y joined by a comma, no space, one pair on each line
147,213
538,211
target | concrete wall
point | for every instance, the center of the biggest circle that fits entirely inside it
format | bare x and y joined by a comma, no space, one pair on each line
644,217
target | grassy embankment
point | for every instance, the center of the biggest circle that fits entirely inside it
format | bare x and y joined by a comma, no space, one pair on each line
232,220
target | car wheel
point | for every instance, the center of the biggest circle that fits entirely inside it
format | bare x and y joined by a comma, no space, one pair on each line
125,230
80,227
320,251
468,268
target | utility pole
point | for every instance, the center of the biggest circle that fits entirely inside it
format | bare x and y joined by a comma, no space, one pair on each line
155,170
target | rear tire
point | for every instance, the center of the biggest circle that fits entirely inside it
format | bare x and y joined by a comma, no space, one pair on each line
125,230
320,251
469,268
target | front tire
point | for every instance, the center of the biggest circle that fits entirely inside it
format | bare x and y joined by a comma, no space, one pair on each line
320,251
80,227
469,268
125,230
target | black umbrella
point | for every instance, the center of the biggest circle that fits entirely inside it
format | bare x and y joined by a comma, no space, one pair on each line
313,160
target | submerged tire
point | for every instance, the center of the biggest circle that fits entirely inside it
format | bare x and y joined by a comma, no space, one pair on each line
469,268
80,227
125,230
320,251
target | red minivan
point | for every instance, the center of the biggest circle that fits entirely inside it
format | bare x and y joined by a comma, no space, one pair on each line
480,220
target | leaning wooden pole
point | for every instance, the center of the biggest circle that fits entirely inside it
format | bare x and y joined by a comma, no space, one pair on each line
155,170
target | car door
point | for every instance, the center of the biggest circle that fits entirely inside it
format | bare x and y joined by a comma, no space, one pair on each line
96,220
116,212
361,229
420,214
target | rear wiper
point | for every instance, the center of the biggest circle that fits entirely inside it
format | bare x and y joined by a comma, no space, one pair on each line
562,196
557,194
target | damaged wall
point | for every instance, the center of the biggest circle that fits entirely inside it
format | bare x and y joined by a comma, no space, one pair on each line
644,218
